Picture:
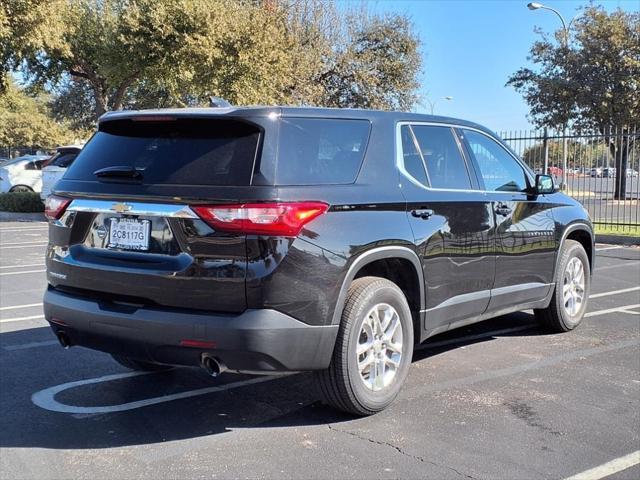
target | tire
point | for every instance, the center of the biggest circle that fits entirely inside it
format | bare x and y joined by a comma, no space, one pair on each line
558,316
139,365
20,189
342,385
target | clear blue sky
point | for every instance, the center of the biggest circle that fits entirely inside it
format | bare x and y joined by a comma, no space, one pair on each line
471,47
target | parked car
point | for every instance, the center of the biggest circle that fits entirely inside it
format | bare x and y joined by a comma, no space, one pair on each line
22,174
608,173
56,166
596,172
555,171
631,172
271,240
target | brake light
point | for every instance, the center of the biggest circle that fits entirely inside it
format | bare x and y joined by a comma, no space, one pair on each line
55,206
197,344
278,219
153,118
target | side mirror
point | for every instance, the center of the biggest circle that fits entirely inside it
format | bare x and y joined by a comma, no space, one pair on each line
544,184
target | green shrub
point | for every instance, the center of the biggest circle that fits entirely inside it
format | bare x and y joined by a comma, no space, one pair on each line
25,202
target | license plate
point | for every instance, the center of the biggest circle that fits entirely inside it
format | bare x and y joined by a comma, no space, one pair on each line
129,233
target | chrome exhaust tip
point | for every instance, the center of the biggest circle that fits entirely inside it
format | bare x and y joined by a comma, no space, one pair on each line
212,365
64,340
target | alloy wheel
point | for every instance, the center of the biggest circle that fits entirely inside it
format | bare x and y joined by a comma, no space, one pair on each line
573,286
379,350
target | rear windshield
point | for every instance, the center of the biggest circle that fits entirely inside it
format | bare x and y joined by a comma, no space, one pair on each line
63,159
179,151
320,151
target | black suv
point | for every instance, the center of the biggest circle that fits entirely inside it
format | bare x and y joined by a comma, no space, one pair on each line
269,240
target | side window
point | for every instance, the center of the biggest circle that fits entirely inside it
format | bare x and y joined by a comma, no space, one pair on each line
30,166
499,170
411,157
446,167
316,151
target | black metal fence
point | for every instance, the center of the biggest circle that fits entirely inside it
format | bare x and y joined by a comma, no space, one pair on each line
600,169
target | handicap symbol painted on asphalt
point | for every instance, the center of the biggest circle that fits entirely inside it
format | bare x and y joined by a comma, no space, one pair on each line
46,398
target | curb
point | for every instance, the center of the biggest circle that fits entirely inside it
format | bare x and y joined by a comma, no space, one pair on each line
617,239
22,217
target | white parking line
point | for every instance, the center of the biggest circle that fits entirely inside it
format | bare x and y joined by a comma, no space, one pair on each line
22,229
17,307
46,398
21,273
614,292
620,309
23,266
2,247
604,249
22,243
609,267
609,468
20,319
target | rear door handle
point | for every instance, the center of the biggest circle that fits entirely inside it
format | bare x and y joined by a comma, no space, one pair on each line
503,210
423,213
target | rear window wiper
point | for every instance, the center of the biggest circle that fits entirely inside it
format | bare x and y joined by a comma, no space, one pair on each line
119,171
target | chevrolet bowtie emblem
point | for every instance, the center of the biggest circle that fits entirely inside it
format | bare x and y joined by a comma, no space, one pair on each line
121,207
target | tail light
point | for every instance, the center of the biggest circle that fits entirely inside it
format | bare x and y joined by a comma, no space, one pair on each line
55,206
278,219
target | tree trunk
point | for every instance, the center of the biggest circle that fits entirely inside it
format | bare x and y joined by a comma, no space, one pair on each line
97,84
101,101
118,97
620,152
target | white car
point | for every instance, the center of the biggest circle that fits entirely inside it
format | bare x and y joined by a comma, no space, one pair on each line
56,166
23,174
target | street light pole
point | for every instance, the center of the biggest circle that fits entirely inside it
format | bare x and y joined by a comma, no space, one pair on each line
565,29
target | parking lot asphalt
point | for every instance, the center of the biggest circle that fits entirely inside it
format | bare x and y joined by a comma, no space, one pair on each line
500,399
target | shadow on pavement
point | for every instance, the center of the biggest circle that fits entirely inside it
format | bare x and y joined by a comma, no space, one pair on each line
289,401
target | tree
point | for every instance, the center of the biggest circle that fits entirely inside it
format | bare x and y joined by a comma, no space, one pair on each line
592,82
579,154
20,31
376,68
73,102
24,121
143,53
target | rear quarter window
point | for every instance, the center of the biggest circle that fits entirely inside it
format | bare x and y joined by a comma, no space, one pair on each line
314,151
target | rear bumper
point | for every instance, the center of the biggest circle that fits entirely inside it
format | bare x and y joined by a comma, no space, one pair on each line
256,341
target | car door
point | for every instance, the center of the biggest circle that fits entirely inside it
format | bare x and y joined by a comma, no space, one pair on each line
452,222
525,228
31,176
